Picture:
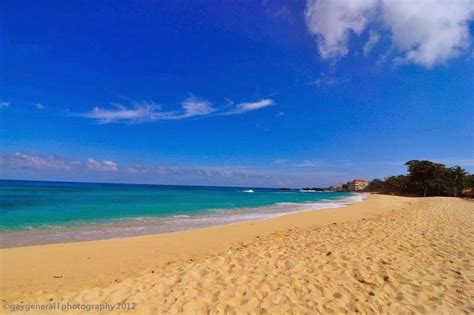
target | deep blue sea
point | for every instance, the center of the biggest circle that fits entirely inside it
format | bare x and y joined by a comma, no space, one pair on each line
81,207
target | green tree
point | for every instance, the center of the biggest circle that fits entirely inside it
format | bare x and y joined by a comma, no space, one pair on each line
425,177
375,185
457,175
396,185
468,181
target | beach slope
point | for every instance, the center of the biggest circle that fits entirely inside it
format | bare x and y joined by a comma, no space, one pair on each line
385,255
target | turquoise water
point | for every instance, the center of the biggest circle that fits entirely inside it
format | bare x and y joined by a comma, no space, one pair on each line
33,212
26,205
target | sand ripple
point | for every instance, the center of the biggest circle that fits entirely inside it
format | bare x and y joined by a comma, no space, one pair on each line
415,260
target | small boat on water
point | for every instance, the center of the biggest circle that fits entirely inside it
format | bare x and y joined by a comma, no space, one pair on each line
248,191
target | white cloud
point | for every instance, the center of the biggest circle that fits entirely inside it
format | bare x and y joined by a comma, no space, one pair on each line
333,20
427,33
143,111
327,80
4,104
228,175
30,161
157,170
150,111
52,162
250,106
203,172
308,163
194,106
101,166
373,40
38,106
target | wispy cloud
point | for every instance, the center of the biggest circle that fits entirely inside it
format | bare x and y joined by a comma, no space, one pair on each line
31,161
308,163
427,33
391,163
39,162
38,106
288,164
326,80
208,171
60,168
140,112
465,162
194,106
4,104
457,161
373,40
249,106
345,162
101,166
144,111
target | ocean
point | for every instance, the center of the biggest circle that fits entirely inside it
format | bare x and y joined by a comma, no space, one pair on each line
38,212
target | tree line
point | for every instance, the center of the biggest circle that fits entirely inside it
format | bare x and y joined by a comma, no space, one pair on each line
426,178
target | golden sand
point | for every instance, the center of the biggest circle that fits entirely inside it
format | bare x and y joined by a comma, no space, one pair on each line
384,255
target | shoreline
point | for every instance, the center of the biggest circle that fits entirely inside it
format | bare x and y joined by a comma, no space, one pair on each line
97,263
140,226
380,238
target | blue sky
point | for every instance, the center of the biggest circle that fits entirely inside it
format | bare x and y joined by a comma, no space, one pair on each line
271,93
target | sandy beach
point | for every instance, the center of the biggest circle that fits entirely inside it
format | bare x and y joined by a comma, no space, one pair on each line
384,255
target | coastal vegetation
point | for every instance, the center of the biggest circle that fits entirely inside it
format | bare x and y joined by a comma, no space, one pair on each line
426,178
